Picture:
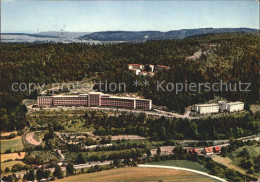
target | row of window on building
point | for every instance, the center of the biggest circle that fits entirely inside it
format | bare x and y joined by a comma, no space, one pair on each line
95,99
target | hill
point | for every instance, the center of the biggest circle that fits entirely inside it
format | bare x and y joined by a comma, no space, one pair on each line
157,35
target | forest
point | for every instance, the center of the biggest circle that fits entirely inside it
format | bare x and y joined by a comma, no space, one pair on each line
173,128
235,57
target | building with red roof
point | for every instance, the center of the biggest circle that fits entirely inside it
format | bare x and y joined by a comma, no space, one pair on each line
207,150
217,149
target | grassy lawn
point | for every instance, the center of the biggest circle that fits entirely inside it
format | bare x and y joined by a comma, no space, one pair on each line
182,163
38,135
254,151
45,155
10,164
16,144
71,156
237,159
139,174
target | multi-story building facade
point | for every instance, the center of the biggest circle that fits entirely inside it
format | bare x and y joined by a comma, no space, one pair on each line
206,108
95,99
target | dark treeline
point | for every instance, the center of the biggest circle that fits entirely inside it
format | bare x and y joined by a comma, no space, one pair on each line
235,57
164,128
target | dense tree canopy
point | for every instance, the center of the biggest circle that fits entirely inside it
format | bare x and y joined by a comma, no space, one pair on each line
230,57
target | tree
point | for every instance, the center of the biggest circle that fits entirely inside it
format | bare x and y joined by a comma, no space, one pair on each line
46,174
178,151
224,151
244,153
7,169
251,170
217,171
81,159
39,174
58,173
31,175
51,132
158,150
17,167
149,153
70,169
147,68
116,162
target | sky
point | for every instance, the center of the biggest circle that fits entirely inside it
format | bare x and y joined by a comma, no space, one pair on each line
92,16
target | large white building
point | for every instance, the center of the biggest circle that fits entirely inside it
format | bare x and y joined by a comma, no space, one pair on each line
95,99
206,108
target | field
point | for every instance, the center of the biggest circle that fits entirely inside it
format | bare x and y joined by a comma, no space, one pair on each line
254,151
13,144
228,163
8,133
139,174
12,156
45,155
237,159
182,163
69,120
10,164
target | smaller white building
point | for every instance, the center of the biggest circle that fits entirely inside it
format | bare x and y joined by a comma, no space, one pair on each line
231,106
206,108
135,67
235,106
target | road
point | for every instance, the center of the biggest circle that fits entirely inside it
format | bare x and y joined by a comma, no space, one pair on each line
183,169
78,166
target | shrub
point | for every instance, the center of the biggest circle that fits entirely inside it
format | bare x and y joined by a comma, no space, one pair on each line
7,151
7,169
17,167
58,173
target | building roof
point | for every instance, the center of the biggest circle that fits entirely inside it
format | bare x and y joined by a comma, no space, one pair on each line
135,64
193,150
65,96
206,105
234,103
217,148
196,150
95,93
208,149
129,98
161,66
134,69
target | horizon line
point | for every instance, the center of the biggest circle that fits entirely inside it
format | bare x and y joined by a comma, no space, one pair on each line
28,32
